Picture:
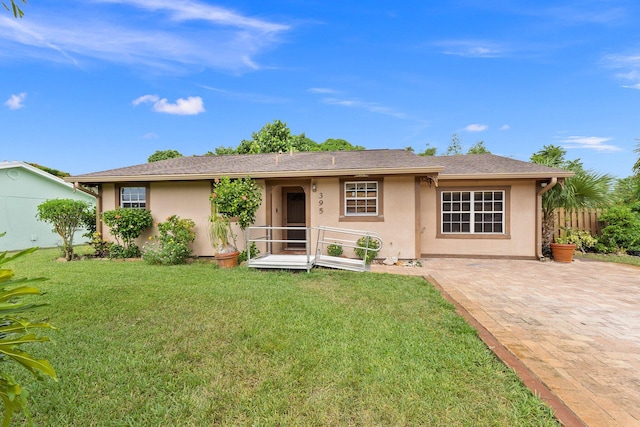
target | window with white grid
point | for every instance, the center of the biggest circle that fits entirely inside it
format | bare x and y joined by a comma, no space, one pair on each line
473,212
361,198
133,197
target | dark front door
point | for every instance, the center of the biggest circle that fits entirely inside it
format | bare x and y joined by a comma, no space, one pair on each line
296,216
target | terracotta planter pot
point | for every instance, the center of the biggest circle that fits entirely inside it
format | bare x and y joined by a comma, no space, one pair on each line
563,252
228,260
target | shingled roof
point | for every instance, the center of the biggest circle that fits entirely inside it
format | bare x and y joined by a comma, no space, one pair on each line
317,164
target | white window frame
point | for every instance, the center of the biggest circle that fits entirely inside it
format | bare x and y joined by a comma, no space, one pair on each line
358,195
480,210
136,199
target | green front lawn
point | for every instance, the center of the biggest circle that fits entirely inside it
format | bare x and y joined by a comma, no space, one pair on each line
193,345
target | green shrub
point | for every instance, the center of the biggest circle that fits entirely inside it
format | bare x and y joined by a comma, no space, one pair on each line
581,238
126,225
372,246
172,245
334,249
622,230
117,250
99,245
253,250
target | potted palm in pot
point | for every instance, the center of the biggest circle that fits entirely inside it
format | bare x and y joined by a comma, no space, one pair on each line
585,189
238,200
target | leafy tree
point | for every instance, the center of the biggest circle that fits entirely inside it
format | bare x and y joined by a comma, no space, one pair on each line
478,148
272,138
302,143
66,216
163,155
455,147
239,198
428,151
332,144
584,190
15,8
16,331
627,190
221,151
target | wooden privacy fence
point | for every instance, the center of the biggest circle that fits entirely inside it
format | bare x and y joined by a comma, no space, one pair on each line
585,219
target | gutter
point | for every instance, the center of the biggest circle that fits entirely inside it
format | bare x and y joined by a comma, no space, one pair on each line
256,174
549,186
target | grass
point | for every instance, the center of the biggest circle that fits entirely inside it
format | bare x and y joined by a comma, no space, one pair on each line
620,259
193,345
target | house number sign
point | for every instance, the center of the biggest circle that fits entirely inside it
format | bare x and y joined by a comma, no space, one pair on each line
320,203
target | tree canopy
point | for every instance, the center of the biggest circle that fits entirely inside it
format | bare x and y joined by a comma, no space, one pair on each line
276,137
478,148
163,155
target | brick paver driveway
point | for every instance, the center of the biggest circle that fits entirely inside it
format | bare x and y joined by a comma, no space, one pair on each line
575,326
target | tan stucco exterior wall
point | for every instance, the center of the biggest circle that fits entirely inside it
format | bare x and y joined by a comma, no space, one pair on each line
187,200
398,226
521,218
408,229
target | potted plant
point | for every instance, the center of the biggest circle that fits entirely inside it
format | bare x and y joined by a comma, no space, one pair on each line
562,250
565,245
585,189
239,199
223,240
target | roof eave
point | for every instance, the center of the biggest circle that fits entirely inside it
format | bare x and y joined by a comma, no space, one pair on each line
258,175
512,175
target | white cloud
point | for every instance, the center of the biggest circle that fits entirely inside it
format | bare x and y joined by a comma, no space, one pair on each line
472,48
322,90
589,142
185,107
146,98
150,135
159,34
15,102
505,127
476,127
197,11
367,106
629,66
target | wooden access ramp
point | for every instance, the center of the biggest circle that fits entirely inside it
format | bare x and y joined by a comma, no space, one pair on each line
308,255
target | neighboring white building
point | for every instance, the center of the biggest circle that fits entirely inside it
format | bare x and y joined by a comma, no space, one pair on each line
22,188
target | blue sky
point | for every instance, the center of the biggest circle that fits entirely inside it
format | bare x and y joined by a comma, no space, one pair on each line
94,85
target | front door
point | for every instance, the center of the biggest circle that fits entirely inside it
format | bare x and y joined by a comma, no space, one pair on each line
295,216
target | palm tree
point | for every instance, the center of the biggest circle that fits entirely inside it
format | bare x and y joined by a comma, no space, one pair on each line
586,189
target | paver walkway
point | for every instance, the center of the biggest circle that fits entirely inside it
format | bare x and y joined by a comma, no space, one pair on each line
575,326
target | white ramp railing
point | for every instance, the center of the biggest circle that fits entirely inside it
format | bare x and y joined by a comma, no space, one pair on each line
347,239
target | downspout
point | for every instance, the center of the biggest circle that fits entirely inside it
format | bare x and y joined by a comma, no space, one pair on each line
549,186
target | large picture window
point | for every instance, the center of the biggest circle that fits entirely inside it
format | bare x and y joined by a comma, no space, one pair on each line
361,198
473,212
133,197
